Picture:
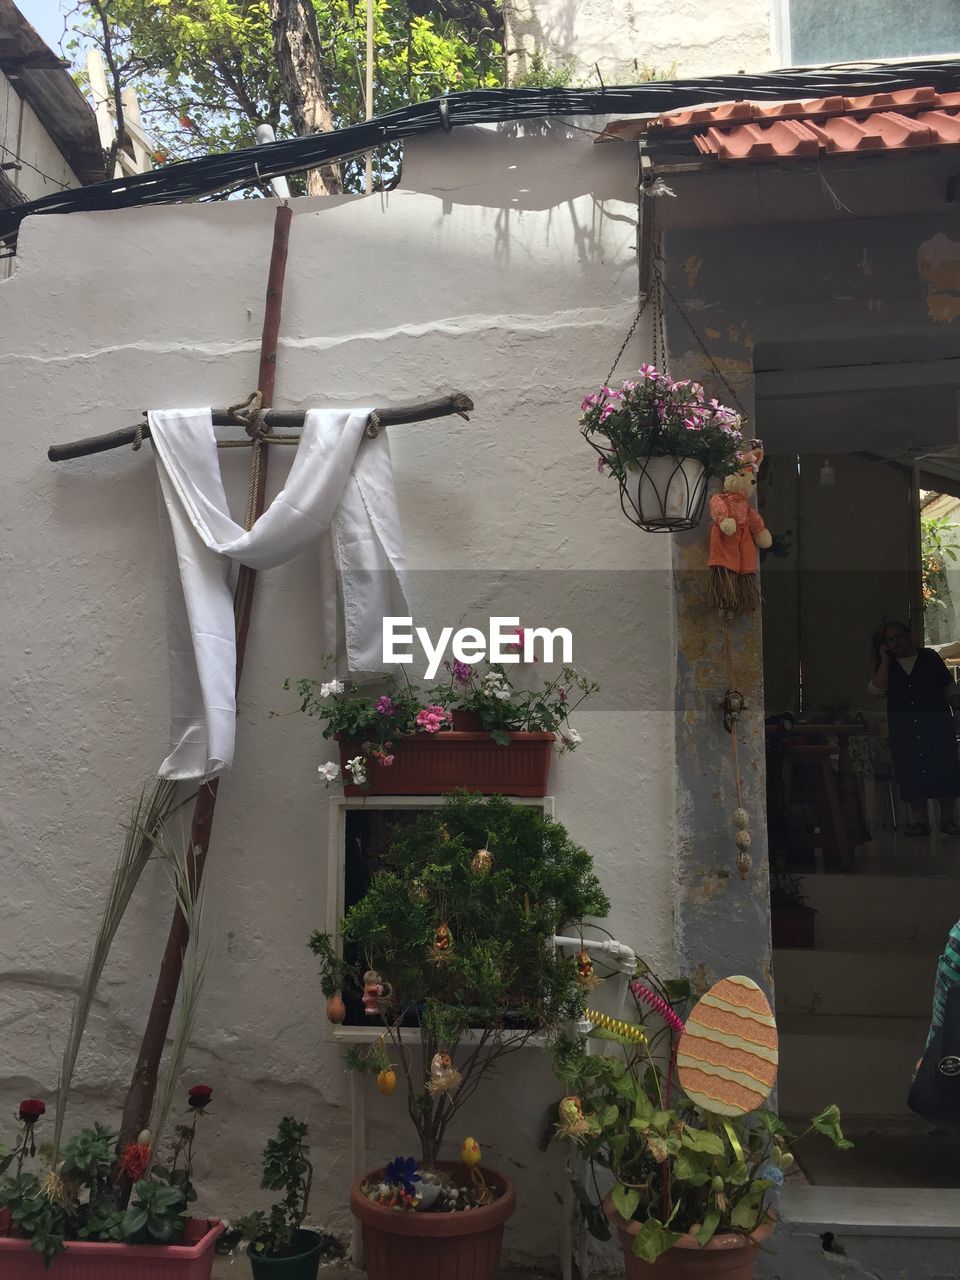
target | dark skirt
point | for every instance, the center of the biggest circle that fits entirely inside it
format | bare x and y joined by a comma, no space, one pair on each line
923,747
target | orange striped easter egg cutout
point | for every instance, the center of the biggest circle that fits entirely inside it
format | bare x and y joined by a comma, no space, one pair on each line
728,1054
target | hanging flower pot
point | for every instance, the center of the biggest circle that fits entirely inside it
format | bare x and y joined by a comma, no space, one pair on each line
665,494
662,441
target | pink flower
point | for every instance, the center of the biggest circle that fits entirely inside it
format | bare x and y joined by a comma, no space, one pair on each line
591,402
432,719
386,706
648,371
606,411
462,671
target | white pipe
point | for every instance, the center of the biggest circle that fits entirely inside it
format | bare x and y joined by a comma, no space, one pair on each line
624,957
279,186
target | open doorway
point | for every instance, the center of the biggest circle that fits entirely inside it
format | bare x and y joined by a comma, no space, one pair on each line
861,489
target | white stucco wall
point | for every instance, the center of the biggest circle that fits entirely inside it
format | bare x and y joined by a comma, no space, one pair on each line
697,37
44,171
505,267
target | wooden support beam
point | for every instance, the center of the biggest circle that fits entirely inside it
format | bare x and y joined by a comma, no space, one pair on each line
277,420
143,1083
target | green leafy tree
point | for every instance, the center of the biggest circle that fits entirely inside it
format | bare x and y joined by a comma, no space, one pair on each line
462,944
938,545
208,71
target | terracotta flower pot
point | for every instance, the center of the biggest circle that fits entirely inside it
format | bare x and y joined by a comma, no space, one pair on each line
730,1257
401,1245
90,1260
432,764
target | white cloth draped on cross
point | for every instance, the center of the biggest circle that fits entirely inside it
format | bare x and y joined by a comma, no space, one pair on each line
334,485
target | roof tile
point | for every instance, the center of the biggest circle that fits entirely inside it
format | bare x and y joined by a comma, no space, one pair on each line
753,131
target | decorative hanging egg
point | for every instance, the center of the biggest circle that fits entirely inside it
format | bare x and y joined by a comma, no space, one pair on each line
482,862
336,1009
387,1081
741,819
743,840
443,1074
728,1054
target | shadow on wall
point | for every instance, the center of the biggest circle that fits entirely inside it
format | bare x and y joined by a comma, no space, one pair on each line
530,167
521,165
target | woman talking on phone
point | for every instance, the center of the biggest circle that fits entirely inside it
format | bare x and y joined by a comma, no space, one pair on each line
923,738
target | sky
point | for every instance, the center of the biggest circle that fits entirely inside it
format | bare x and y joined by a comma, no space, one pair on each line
46,16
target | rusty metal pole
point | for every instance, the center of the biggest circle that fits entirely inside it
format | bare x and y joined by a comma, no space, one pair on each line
143,1083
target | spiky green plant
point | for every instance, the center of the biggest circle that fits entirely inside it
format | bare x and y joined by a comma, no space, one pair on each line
148,815
189,896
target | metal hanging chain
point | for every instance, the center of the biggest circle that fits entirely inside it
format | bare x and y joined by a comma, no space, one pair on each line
623,346
662,284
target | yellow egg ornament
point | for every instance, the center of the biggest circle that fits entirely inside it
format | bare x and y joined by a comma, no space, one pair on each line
387,1081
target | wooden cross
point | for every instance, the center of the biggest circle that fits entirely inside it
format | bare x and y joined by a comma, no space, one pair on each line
259,424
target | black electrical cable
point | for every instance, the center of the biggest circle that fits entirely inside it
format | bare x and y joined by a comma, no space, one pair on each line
192,179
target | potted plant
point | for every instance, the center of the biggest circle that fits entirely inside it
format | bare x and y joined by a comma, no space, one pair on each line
661,440
691,1189
278,1245
72,1216
450,945
477,731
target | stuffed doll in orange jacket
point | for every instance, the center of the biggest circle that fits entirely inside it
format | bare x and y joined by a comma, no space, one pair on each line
736,532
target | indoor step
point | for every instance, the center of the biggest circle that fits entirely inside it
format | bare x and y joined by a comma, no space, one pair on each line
863,1064
894,911
851,983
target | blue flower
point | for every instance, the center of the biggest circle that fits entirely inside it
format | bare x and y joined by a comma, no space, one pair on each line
770,1172
403,1172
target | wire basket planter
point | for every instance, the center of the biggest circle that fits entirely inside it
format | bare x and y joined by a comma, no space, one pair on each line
661,438
661,493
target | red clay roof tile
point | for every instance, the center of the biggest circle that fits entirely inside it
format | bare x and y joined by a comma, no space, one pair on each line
751,131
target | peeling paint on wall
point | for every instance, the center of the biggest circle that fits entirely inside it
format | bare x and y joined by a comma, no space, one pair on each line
938,265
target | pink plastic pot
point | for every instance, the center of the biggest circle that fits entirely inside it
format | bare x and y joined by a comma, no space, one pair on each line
88,1260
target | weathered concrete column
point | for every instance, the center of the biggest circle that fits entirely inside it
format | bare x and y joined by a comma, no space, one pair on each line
722,917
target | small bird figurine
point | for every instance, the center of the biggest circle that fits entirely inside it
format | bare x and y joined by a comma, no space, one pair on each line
470,1153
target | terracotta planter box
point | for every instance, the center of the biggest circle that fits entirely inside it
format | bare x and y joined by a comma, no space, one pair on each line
433,764
86,1260
726,1257
793,928
434,1246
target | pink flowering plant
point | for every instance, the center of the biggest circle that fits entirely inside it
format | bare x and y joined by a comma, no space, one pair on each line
487,691
378,720
651,415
